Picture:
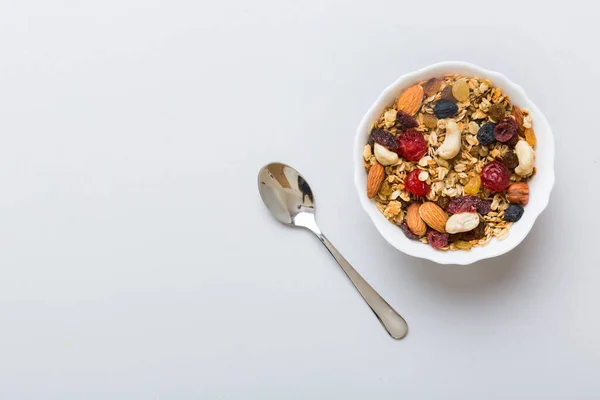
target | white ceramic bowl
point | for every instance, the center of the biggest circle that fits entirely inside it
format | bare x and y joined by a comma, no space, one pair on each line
540,186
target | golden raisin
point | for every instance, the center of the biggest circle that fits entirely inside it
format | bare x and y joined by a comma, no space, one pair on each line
472,187
497,112
462,245
530,137
430,121
460,90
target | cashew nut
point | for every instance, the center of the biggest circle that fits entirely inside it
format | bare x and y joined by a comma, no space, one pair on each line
385,156
451,146
462,222
526,157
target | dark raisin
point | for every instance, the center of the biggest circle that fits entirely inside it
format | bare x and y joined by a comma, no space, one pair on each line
475,234
385,138
407,231
445,109
512,142
485,135
447,94
513,213
511,160
405,121
443,201
484,206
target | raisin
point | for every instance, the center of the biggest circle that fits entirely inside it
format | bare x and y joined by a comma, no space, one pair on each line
385,138
497,112
407,231
437,240
445,109
463,245
405,121
412,145
430,121
463,204
513,213
512,142
485,135
530,137
460,90
495,176
505,130
447,94
474,234
432,86
511,160
443,201
414,185
472,187
484,207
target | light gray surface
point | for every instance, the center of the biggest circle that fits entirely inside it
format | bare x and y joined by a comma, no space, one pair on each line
134,243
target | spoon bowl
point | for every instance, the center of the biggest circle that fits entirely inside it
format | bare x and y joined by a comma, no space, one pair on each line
289,198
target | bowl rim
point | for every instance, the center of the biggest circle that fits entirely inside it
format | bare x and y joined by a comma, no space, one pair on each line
452,257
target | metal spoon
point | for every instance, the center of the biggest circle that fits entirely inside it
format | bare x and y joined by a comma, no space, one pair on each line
289,198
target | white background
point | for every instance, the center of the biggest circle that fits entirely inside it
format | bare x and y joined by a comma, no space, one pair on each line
138,262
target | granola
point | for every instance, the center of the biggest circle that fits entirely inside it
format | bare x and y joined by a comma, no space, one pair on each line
458,143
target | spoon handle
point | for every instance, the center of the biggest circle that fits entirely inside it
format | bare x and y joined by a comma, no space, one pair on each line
393,323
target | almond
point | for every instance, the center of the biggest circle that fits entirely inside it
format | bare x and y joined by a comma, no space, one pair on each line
414,221
410,100
375,179
518,114
434,216
518,193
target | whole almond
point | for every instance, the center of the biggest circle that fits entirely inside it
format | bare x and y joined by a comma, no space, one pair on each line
414,221
410,100
433,216
518,193
518,114
375,179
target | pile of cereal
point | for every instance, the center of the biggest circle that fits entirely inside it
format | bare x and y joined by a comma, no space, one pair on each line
449,162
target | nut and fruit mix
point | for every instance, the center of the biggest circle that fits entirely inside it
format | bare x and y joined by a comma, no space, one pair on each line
449,162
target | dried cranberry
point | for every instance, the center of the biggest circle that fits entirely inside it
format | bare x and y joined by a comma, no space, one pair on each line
412,145
407,231
511,160
463,204
414,185
484,206
475,234
495,176
506,129
405,121
437,240
385,138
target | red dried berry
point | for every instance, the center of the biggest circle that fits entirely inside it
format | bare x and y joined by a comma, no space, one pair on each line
406,121
437,240
512,142
412,145
414,185
463,204
385,138
506,129
495,176
407,231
